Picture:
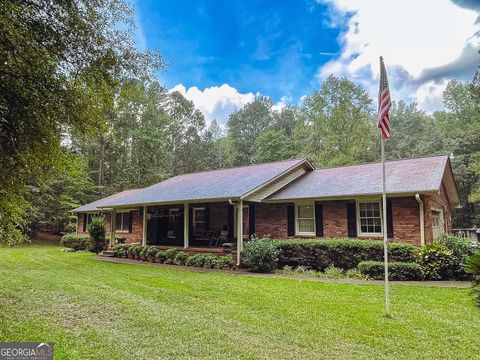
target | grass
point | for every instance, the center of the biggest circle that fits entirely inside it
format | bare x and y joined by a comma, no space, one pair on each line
98,310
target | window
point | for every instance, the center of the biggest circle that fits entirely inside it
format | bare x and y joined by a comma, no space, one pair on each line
370,219
438,226
123,222
198,219
173,218
305,219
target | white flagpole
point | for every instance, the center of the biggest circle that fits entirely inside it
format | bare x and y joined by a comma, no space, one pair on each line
385,236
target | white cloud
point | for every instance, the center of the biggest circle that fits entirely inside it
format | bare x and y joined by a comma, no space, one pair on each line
218,102
423,43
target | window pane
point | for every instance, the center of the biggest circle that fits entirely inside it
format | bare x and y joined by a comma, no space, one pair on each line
305,211
370,219
126,221
118,223
305,226
200,215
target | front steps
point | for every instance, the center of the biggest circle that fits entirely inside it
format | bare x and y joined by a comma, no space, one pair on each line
107,253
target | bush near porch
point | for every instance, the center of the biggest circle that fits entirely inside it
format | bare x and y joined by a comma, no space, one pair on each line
173,256
342,253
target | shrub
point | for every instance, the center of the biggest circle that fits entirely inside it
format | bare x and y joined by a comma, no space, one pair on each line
334,272
396,270
143,253
472,266
342,253
96,229
121,250
76,242
151,253
461,248
131,251
201,260
225,262
436,261
161,256
170,256
137,249
180,258
260,255
210,261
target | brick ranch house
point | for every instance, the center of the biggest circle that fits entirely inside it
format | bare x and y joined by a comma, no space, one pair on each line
284,199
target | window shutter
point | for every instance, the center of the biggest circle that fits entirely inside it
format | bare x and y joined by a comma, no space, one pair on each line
230,221
85,222
251,219
352,219
318,219
389,219
190,220
130,221
290,220
207,217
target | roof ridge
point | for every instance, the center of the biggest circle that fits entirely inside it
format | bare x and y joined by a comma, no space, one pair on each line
379,162
236,167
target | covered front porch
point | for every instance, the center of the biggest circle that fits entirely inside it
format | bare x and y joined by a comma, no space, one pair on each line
206,227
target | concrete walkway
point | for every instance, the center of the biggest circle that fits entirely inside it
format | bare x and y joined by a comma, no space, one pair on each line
242,272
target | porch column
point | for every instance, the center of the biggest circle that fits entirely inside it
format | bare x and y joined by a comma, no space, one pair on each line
239,231
144,228
186,225
113,224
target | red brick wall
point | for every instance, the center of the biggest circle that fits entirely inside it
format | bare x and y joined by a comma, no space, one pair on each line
134,237
437,201
406,220
335,219
271,219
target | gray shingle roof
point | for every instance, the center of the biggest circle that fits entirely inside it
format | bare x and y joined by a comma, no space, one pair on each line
418,175
209,185
93,205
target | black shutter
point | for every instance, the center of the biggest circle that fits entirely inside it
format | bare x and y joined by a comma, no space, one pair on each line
130,221
207,217
230,221
318,219
389,219
352,219
251,219
290,220
85,222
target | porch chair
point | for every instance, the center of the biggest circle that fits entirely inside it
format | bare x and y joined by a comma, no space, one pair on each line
220,239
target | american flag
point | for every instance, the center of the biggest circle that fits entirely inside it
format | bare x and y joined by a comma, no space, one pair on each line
384,102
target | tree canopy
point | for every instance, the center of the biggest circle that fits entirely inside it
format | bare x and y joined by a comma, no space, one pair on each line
82,116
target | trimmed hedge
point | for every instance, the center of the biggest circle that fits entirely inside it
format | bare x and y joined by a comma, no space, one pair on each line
343,253
76,242
396,270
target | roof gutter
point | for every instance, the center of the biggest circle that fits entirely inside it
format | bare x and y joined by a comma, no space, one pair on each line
422,218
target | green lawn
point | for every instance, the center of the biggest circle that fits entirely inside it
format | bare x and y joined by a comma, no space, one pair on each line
97,310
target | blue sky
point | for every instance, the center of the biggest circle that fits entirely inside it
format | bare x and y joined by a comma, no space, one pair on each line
221,53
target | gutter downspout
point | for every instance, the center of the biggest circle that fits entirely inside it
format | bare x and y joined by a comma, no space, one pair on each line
422,218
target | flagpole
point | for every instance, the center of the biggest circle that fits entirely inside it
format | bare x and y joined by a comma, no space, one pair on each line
385,235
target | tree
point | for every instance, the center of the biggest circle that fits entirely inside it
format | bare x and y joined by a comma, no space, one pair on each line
414,133
245,125
274,145
336,124
50,204
460,127
62,63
